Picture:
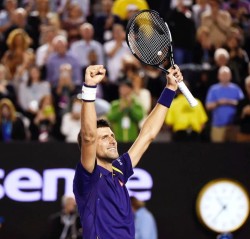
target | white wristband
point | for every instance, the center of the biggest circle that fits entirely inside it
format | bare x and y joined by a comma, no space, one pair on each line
89,93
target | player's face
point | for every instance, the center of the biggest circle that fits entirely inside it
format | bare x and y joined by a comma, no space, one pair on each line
106,144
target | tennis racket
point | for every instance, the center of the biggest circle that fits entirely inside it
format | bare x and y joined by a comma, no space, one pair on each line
150,41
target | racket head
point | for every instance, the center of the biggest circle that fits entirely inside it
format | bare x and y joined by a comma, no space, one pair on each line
148,37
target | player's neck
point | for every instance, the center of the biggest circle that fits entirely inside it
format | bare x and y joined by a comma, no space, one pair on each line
105,164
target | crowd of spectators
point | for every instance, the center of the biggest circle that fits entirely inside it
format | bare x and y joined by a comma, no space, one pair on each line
47,45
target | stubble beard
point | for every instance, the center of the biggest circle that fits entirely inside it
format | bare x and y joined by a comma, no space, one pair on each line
108,158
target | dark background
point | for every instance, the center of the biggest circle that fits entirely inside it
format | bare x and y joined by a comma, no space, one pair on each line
179,171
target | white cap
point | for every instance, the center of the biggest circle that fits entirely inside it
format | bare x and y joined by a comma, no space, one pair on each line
132,7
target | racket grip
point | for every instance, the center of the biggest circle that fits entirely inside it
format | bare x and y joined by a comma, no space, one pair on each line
185,91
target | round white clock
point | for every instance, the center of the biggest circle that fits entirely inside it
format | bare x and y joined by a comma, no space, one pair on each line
223,205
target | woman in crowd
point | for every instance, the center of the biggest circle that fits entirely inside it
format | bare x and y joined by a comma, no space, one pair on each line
45,120
31,92
18,44
11,125
72,22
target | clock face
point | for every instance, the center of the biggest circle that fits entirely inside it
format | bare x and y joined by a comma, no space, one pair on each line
223,205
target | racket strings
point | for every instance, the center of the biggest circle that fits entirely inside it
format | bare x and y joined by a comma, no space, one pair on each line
149,39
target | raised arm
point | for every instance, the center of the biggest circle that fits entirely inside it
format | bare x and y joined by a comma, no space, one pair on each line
94,75
155,119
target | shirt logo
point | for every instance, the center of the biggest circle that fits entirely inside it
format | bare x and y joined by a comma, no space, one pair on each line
119,161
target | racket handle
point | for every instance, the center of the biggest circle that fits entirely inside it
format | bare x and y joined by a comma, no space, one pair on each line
185,91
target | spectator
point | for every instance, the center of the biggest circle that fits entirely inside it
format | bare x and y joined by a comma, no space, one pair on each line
72,22
125,113
222,100
45,120
30,94
82,48
56,22
237,8
19,21
145,224
38,19
59,57
185,122
218,21
71,122
114,52
204,50
66,223
132,70
238,61
6,88
103,22
182,26
221,58
61,7
22,71
12,127
43,51
64,90
6,17
85,8
198,8
243,115
18,44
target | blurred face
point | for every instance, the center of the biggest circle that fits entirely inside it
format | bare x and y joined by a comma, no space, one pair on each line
124,91
20,18
50,34
214,5
42,5
18,41
47,101
61,47
34,73
87,33
232,42
224,77
74,11
106,145
107,5
70,205
11,5
5,112
221,60
118,32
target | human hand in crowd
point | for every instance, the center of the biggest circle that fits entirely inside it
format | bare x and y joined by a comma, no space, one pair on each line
3,88
246,111
126,102
94,74
174,77
224,101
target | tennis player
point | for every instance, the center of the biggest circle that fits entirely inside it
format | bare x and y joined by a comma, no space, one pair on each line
99,183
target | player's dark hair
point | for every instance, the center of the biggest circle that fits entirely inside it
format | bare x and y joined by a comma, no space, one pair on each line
101,123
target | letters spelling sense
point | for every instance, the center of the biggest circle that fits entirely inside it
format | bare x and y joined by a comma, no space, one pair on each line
28,185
